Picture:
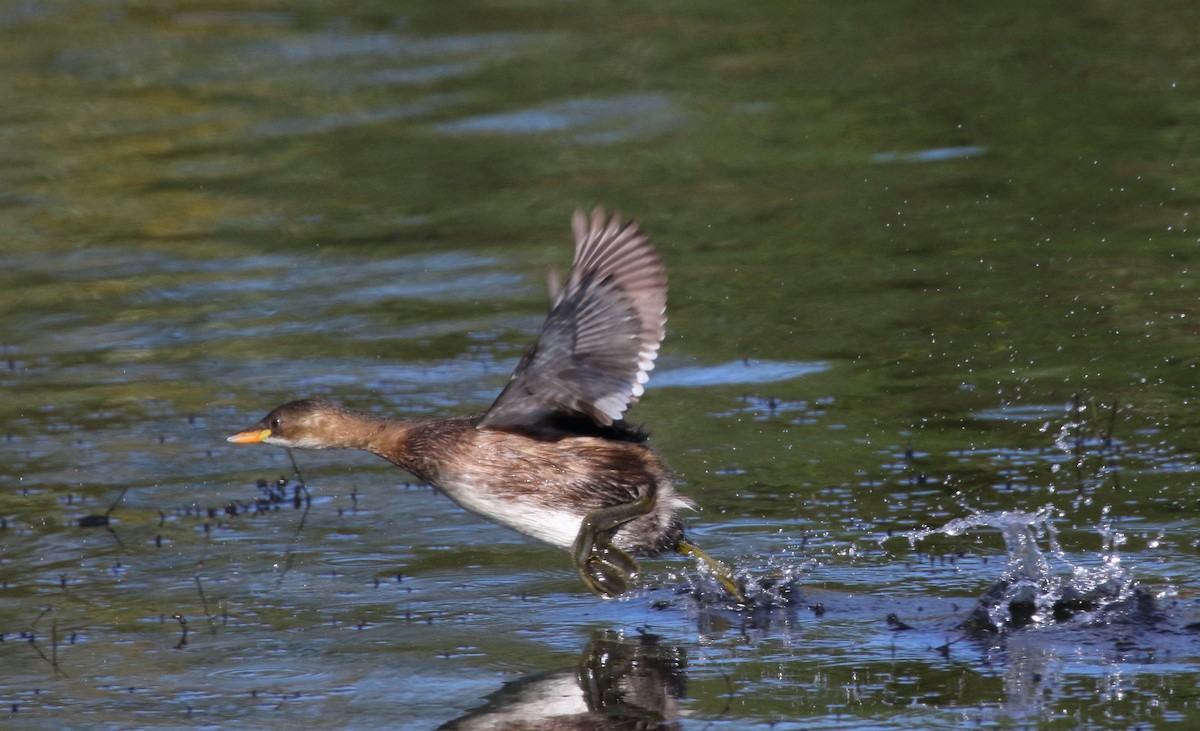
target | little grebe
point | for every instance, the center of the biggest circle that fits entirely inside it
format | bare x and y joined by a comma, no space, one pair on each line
552,457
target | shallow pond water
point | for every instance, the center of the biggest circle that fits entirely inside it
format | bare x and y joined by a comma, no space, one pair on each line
932,333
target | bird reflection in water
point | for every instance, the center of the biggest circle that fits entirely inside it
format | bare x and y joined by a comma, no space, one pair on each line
621,683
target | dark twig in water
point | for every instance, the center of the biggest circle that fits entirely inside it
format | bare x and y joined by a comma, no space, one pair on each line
1106,451
53,658
184,629
272,494
212,622
730,694
105,519
297,501
1111,445
289,555
300,487
295,466
1112,425
117,502
300,496
1077,447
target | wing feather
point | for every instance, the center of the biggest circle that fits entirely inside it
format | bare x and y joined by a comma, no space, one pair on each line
598,344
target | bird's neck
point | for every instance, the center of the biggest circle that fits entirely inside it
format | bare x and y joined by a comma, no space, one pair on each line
356,430
418,446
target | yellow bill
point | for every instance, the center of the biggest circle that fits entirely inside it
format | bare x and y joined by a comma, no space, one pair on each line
250,436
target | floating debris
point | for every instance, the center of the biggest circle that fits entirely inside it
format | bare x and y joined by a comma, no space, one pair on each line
273,494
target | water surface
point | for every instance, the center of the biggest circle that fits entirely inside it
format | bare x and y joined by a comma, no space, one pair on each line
927,262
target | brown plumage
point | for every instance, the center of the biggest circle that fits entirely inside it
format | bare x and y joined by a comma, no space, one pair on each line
552,457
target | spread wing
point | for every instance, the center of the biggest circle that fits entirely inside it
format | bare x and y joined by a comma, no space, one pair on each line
599,341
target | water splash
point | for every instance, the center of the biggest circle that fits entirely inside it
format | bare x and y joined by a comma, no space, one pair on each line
1040,585
770,584
774,584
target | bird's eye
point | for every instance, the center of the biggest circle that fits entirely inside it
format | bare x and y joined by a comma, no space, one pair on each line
275,423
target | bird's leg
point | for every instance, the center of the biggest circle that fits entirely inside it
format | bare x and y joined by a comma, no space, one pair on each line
606,569
719,570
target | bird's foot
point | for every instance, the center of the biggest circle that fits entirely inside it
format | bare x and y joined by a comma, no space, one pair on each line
607,570
718,570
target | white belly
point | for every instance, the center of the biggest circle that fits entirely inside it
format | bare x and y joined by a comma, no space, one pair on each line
556,527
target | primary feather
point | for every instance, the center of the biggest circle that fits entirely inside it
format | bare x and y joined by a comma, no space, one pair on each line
598,344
